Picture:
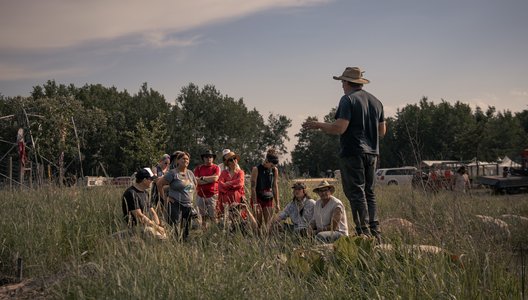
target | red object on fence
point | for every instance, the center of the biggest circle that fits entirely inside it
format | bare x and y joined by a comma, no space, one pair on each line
22,153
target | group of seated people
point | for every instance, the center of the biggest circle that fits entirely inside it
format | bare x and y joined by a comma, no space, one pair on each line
220,197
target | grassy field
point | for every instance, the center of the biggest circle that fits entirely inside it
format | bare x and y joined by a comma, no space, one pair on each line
64,238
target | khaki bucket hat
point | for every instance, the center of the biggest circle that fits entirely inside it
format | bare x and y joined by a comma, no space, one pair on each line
324,184
353,74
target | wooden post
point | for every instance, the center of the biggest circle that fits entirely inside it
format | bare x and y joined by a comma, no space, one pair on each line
31,175
21,174
49,173
10,174
78,146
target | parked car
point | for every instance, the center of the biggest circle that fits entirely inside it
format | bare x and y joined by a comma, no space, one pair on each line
395,176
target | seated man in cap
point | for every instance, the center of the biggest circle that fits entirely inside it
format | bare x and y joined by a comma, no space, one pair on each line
135,204
299,210
329,220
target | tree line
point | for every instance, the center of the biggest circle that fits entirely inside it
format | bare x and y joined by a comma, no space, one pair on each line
118,132
425,131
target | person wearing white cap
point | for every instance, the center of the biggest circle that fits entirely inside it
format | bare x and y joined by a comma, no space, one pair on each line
222,166
136,206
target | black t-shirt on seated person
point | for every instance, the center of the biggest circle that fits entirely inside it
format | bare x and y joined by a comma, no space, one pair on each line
133,199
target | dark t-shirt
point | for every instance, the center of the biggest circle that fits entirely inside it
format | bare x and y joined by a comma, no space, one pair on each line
364,112
133,199
264,181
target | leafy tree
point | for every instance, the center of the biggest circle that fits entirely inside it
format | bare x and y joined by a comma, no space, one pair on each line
206,119
143,146
277,132
316,151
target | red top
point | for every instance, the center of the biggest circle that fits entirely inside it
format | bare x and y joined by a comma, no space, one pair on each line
228,184
210,189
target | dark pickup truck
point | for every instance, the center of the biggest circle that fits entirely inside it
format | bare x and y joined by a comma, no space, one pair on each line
510,184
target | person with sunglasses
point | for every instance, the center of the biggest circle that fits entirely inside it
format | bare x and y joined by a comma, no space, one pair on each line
230,184
329,220
299,210
265,188
182,184
207,191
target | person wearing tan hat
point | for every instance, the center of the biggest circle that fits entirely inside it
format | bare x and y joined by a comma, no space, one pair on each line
299,210
329,220
230,184
360,122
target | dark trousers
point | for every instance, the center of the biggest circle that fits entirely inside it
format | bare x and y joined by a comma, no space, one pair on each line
180,217
357,174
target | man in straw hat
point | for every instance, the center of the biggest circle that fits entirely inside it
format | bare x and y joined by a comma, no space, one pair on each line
360,122
329,220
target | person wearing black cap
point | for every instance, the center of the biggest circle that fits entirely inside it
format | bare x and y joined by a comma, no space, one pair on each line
135,204
265,188
299,210
207,190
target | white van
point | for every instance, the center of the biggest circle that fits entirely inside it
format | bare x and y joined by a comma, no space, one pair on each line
395,176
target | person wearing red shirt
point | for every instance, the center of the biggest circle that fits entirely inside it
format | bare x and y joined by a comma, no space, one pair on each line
230,184
207,176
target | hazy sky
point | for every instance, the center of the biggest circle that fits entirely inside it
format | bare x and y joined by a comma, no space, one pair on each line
278,55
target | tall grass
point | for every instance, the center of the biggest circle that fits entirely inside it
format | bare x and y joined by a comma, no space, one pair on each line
65,235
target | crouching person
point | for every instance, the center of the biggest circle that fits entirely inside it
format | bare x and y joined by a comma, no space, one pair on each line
239,218
136,205
329,220
299,210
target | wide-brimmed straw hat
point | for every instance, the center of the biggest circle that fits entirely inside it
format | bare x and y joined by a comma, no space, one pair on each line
352,74
231,155
324,184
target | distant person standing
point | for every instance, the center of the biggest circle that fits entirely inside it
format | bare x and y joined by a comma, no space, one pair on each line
207,177
360,122
460,182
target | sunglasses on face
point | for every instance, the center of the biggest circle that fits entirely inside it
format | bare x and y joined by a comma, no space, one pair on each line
208,156
231,160
323,190
298,189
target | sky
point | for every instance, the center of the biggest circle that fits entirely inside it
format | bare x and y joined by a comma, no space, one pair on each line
279,56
